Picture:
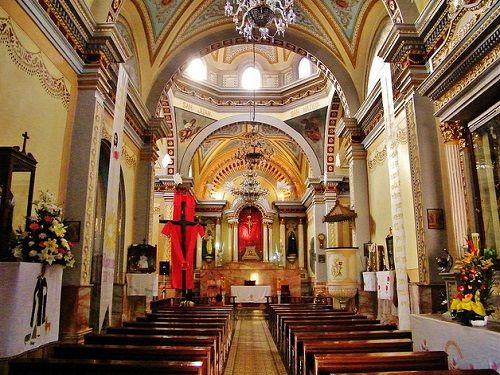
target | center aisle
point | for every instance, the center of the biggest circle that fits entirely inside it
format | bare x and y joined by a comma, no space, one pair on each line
253,351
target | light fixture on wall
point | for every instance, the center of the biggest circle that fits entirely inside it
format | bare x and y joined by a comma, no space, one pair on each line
250,189
261,19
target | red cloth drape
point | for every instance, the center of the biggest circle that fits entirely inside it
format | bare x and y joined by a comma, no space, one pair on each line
250,232
179,261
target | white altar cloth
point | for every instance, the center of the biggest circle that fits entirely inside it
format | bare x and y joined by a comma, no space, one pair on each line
142,284
467,347
256,294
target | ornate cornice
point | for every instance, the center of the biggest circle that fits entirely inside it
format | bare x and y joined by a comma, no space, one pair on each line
468,50
403,45
234,98
32,63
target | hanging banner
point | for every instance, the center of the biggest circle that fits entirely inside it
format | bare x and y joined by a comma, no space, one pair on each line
111,221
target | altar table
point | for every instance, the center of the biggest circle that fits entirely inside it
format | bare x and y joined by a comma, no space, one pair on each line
255,294
467,347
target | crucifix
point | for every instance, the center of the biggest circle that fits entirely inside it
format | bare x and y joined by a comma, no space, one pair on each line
249,222
183,223
26,137
183,233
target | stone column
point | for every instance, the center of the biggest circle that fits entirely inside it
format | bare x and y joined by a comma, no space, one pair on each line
358,183
234,223
144,193
453,143
265,251
300,239
230,239
80,201
282,248
270,235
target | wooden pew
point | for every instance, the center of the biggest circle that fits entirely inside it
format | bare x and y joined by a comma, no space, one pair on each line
187,324
312,348
298,338
159,340
135,352
55,366
327,322
221,348
327,364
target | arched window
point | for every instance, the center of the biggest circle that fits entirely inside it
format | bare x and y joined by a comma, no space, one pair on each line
197,70
251,78
305,68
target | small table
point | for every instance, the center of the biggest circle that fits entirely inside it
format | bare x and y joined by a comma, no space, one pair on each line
251,294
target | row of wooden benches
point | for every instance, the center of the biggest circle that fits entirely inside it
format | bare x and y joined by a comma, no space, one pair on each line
317,340
171,340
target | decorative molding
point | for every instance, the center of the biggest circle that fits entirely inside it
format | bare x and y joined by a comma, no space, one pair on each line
32,63
334,117
469,58
235,99
488,61
279,43
128,157
88,225
413,148
394,11
453,131
114,10
463,18
378,159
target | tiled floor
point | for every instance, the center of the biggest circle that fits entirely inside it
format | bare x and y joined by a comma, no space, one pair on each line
253,351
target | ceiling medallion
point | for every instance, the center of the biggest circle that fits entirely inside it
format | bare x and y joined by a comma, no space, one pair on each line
261,20
250,189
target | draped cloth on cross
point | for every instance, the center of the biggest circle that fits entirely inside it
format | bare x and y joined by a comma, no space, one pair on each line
183,231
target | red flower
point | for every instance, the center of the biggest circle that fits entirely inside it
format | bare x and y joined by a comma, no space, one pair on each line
48,219
34,226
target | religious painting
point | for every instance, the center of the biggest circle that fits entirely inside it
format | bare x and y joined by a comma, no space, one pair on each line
141,258
72,231
312,127
389,240
435,218
188,124
250,240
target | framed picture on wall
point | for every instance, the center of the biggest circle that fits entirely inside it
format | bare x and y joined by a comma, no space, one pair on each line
435,218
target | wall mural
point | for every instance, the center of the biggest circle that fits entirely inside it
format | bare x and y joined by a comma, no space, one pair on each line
312,127
188,124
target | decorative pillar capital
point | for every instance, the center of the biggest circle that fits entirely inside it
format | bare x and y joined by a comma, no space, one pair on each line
453,132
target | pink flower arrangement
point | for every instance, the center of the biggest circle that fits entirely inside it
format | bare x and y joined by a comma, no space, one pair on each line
44,240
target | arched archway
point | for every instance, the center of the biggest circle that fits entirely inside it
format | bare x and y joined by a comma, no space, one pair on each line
315,166
326,61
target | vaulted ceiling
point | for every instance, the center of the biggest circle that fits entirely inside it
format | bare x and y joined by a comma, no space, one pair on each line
337,36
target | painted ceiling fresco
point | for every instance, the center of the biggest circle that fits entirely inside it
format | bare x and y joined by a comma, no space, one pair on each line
162,15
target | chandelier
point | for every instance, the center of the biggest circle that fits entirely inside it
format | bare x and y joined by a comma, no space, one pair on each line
261,19
250,189
253,149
